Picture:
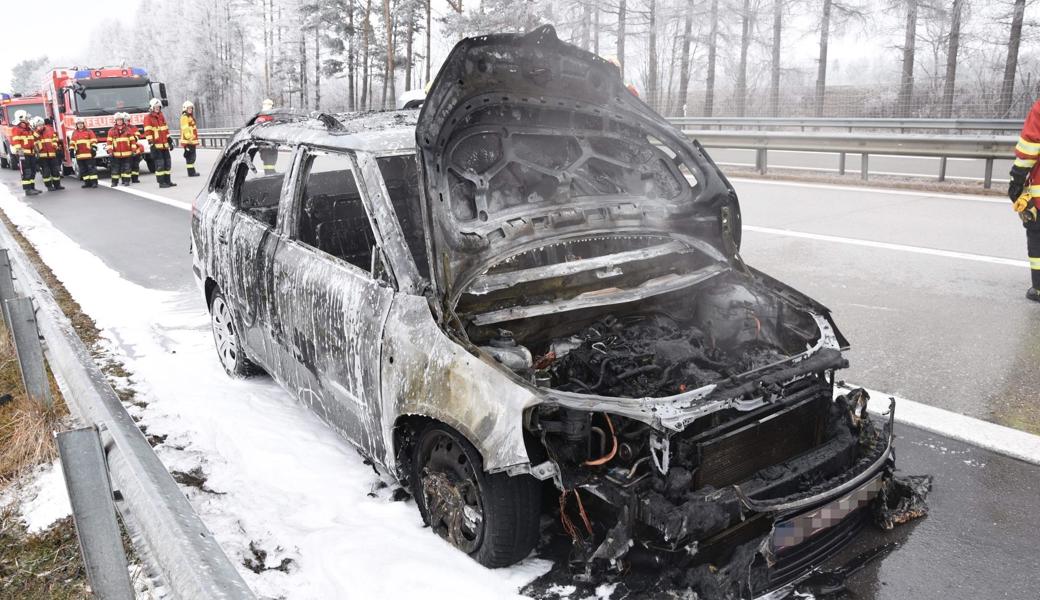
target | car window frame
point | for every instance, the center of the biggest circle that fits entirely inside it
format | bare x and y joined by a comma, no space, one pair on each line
292,222
240,156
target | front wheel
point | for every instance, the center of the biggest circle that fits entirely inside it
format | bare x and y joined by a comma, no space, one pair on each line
227,340
490,516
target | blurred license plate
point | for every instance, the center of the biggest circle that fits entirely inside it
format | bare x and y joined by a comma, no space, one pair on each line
795,530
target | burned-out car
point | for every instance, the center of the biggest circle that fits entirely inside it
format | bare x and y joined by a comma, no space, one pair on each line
528,299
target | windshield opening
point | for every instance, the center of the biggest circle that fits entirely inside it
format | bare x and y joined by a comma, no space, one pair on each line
109,100
34,110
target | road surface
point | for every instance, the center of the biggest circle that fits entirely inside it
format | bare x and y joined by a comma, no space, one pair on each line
949,329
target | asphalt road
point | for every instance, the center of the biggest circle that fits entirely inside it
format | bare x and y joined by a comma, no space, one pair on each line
947,331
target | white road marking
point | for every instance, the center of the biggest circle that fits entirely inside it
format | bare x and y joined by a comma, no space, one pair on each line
877,190
994,260
983,434
154,197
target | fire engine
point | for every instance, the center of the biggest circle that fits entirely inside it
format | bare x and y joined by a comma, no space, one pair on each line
96,94
35,105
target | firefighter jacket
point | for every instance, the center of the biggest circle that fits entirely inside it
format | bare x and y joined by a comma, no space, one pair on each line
83,142
189,132
121,142
1028,148
138,146
23,139
46,142
156,131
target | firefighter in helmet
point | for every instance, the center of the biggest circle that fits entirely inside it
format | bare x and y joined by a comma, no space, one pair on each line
135,158
83,146
157,133
189,136
120,149
1024,191
268,155
47,154
23,142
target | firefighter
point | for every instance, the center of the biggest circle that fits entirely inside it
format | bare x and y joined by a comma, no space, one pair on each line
23,142
120,149
135,159
83,146
1024,191
267,154
189,136
47,154
157,132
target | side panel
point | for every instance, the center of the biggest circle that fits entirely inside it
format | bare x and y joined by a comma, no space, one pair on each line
426,373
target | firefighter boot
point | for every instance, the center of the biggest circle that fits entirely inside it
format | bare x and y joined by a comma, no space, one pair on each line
134,177
162,181
57,184
192,172
32,192
169,183
1033,294
115,181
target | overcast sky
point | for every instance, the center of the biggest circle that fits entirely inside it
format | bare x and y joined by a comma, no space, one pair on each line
66,36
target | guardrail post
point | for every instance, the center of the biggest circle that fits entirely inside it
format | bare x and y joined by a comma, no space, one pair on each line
94,512
987,181
6,285
760,161
864,166
29,350
841,163
942,168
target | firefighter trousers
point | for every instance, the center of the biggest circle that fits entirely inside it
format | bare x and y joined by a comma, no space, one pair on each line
1033,245
189,160
28,168
87,171
119,167
161,163
50,170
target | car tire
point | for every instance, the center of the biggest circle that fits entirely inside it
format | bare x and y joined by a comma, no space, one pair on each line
497,524
226,340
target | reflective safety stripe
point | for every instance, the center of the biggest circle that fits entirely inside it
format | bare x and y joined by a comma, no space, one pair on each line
1034,263
28,181
269,167
86,177
190,165
1034,191
1026,147
1025,162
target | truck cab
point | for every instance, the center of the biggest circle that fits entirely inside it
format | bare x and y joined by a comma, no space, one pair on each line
10,104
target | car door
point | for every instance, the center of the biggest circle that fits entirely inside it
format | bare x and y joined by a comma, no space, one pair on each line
329,307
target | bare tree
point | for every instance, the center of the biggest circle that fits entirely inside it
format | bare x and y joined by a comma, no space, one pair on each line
684,63
1007,88
366,27
906,79
429,32
746,30
950,81
389,76
653,83
833,15
621,37
774,65
713,41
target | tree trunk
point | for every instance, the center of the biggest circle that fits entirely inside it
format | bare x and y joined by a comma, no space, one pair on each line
1007,88
951,59
821,67
303,70
595,30
586,24
745,41
653,85
267,50
351,58
429,32
390,76
906,82
408,50
713,41
365,104
621,16
774,67
684,63
317,65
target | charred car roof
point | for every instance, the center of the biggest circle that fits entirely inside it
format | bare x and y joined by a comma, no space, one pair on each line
368,131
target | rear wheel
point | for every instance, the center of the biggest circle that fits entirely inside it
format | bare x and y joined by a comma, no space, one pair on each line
226,339
491,517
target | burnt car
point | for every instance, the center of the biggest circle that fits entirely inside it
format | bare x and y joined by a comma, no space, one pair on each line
528,299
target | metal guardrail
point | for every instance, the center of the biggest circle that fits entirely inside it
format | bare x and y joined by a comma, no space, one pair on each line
901,125
174,543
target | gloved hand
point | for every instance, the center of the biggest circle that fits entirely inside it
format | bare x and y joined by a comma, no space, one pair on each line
1018,182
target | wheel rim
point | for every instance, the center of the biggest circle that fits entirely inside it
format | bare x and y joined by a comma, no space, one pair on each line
450,493
224,333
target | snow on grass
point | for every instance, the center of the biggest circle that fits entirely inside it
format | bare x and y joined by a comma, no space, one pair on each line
281,489
41,497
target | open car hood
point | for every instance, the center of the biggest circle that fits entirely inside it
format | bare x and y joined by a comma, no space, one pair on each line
525,140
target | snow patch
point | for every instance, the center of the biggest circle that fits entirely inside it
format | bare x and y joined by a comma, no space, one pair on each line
277,483
41,498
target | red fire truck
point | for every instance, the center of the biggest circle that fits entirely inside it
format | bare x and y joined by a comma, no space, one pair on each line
35,105
96,94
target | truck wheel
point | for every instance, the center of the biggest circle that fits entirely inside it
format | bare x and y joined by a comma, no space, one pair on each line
226,338
491,517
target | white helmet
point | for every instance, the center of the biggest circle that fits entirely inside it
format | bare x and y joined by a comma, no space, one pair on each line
154,103
20,116
187,104
80,121
120,116
36,122
268,104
